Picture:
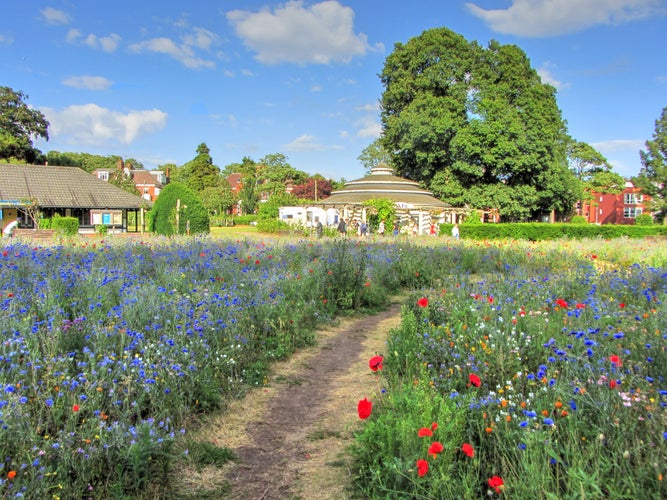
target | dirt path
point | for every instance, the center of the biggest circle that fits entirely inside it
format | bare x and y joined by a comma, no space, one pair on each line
290,437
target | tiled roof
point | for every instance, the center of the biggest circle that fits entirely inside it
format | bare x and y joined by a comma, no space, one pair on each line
63,187
381,183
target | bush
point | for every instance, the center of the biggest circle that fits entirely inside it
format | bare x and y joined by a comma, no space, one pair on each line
69,226
245,220
163,219
102,229
644,220
578,219
272,226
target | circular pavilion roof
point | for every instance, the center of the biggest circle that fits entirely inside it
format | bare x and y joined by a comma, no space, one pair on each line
382,183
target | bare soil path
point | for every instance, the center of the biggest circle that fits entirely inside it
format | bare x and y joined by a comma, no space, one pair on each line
290,437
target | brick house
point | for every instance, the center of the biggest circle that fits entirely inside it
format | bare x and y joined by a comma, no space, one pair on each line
149,183
619,208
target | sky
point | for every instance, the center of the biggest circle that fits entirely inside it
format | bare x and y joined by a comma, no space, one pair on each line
152,80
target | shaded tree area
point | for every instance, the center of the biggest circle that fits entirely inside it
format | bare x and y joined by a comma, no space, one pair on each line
652,178
19,125
476,126
90,162
315,188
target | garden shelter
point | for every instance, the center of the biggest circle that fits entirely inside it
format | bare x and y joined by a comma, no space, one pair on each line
414,205
68,192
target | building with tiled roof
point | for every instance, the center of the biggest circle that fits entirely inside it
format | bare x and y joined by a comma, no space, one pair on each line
67,191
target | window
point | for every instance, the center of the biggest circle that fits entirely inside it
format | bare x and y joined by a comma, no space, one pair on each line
632,198
103,176
631,212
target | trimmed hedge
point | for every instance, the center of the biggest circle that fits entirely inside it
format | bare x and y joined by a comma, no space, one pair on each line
68,226
540,231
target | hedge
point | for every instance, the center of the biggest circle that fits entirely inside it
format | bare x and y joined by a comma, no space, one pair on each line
540,231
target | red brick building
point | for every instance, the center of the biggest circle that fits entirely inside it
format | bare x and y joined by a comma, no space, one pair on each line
619,208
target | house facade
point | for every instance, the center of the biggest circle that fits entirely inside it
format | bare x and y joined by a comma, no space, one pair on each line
149,183
620,208
68,192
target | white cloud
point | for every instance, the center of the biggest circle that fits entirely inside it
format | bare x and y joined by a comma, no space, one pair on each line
319,34
105,43
306,142
616,145
547,76
54,16
73,35
182,52
90,124
541,18
88,82
6,40
368,126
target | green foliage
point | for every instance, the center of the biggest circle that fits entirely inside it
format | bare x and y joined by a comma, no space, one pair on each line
272,226
476,125
19,124
68,226
270,209
540,231
644,220
385,210
578,219
652,177
245,220
169,218
200,173
374,155
102,229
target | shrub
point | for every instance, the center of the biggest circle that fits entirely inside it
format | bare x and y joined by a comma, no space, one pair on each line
644,220
244,220
578,219
69,226
164,214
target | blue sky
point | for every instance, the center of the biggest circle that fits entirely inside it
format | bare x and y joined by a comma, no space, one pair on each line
152,80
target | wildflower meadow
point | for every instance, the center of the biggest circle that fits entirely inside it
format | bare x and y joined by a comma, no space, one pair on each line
518,368
540,380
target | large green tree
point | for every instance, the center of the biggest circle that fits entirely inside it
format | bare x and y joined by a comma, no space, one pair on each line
200,172
652,178
476,125
19,125
374,155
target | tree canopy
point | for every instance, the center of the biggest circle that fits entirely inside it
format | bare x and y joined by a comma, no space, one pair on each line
476,126
19,125
652,178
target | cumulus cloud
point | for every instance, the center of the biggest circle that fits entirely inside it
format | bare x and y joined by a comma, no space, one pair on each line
319,34
305,142
369,126
107,43
547,77
90,124
54,16
184,52
541,18
88,82
616,145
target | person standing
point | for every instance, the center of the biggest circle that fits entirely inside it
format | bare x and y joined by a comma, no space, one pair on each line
396,228
381,228
455,231
342,228
319,229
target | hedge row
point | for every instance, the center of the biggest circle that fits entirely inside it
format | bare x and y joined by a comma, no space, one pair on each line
541,231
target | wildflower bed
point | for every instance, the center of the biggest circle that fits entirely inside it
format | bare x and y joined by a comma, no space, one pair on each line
542,380
109,348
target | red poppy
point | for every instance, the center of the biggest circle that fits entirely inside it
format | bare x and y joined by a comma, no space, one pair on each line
424,432
364,408
612,384
76,408
12,473
202,254
580,306
490,300
375,363
615,360
435,448
423,302
561,303
434,426
422,467
475,380
621,305
468,450
496,483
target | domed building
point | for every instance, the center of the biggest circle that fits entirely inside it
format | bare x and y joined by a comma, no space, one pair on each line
414,205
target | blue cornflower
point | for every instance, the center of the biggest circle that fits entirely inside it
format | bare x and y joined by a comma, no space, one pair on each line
548,421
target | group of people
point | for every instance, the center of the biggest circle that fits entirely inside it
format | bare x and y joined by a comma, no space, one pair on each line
362,229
